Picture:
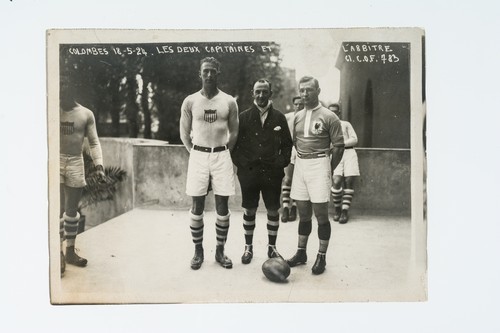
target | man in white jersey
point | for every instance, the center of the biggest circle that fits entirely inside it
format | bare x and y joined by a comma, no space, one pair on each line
76,123
346,172
289,206
209,129
316,129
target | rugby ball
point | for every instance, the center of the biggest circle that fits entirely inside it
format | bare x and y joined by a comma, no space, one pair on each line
276,269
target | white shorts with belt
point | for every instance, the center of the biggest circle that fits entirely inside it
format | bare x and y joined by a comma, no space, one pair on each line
207,166
312,180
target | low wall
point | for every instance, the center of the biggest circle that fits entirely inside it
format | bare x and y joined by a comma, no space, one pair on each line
156,175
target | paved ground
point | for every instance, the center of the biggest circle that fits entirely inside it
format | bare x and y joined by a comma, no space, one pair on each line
143,257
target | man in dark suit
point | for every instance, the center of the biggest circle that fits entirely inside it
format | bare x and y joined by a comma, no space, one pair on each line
261,152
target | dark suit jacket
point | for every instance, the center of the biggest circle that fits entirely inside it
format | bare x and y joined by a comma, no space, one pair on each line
264,148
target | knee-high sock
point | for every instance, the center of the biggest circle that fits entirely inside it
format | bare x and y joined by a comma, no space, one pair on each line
305,228
221,228
248,226
61,229
196,225
347,198
337,197
285,192
71,228
324,232
273,223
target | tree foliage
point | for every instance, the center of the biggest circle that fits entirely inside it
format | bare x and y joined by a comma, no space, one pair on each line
140,93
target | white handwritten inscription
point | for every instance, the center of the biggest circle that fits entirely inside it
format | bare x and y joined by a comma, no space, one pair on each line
369,53
152,50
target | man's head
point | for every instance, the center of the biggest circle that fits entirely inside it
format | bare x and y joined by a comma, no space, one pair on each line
335,108
298,104
209,71
309,91
67,93
261,92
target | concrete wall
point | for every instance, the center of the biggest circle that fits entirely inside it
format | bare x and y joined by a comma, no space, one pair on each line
156,176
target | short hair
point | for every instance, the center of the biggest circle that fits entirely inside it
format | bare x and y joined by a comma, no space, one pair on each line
309,78
263,80
212,61
296,98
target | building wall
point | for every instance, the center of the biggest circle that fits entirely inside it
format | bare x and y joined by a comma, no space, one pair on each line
156,176
375,96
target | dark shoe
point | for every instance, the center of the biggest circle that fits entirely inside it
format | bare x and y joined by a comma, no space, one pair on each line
197,258
344,217
74,259
63,263
299,258
284,215
221,258
272,252
293,214
247,255
336,215
319,265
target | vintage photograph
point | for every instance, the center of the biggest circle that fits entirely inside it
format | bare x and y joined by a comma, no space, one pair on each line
237,166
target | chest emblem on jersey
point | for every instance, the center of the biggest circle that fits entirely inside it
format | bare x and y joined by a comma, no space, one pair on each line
210,116
317,127
67,127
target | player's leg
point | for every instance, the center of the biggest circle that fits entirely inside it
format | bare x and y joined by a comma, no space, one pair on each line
285,193
197,184
248,227
271,197
347,199
351,171
61,228
337,192
196,225
300,194
292,204
71,218
324,232
250,193
221,230
305,227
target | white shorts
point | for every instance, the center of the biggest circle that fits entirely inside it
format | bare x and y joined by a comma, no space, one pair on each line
348,165
215,167
312,180
71,170
293,156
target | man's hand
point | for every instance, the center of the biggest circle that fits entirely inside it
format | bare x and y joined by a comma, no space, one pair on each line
101,176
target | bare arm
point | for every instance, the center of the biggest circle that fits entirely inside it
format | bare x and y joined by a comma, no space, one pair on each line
352,138
233,124
337,140
94,144
337,153
185,124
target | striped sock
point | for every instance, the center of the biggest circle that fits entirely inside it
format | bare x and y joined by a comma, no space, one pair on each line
248,226
285,190
61,229
337,197
71,228
221,228
196,225
347,199
272,228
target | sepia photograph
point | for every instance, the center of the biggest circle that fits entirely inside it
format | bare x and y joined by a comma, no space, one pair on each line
237,166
